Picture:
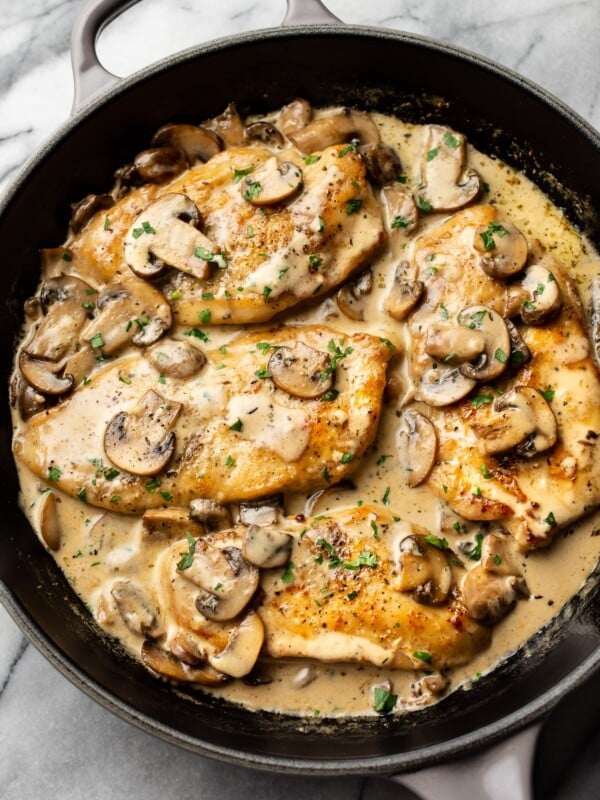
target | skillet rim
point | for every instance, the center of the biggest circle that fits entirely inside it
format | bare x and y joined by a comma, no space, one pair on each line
400,761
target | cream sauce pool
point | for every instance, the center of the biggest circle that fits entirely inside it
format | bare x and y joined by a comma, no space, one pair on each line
97,546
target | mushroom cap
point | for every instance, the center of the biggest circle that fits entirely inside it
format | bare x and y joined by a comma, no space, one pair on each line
383,163
503,249
50,528
228,581
41,375
489,597
493,360
137,609
62,300
167,665
266,546
85,209
543,294
403,295
265,132
161,235
195,142
295,115
228,126
243,647
141,441
159,164
211,514
301,371
271,183
442,387
401,210
335,129
423,570
417,446
522,418
175,358
349,296
447,184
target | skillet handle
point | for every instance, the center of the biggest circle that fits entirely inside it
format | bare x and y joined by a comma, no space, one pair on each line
503,772
89,75
306,12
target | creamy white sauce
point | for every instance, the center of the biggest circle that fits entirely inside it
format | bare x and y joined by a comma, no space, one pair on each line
99,547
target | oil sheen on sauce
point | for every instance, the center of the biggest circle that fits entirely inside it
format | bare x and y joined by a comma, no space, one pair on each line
98,546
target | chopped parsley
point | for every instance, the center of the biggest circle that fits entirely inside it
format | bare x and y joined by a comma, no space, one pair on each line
185,562
353,206
500,355
423,204
198,334
229,461
433,153
482,400
486,473
386,496
338,355
152,485
382,459
326,475
97,340
451,141
311,159
383,701
387,343
475,552
550,519
263,373
314,262
443,311
54,473
547,394
252,190
351,147
237,425
400,222
347,458
487,237
436,541
125,379
288,574
364,559
146,228
423,655
238,174
266,292
330,395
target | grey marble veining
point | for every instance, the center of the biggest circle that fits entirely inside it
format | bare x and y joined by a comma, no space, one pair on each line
53,739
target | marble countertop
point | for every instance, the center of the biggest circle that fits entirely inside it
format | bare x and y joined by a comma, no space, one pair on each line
53,739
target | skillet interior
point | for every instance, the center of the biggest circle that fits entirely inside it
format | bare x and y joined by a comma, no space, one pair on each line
389,72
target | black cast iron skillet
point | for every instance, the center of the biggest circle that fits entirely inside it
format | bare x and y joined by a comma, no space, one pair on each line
418,80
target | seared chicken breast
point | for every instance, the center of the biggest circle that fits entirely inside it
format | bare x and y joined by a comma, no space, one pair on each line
503,370
251,261
287,409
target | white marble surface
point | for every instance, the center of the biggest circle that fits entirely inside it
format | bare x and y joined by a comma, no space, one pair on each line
53,739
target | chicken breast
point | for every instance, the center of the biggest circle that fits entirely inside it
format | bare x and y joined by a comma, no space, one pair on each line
271,257
287,409
338,599
522,446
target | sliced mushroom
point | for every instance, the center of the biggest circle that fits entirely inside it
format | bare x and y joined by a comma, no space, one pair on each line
493,360
176,359
129,310
503,249
228,126
301,371
161,235
141,441
265,511
29,400
595,319
62,300
126,179
489,597
403,296
446,182
86,208
442,387
228,581
209,513
165,664
159,164
196,143
498,554
519,352
54,261
349,296
271,183
520,418
48,520
417,446
401,210
423,570
170,524
137,609
456,344
543,295
80,364
335,129
323,498
295,115
41,375
383,163
267,546
241,652
265,132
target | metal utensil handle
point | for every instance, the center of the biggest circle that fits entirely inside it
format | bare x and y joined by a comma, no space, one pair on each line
503,772
90,76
